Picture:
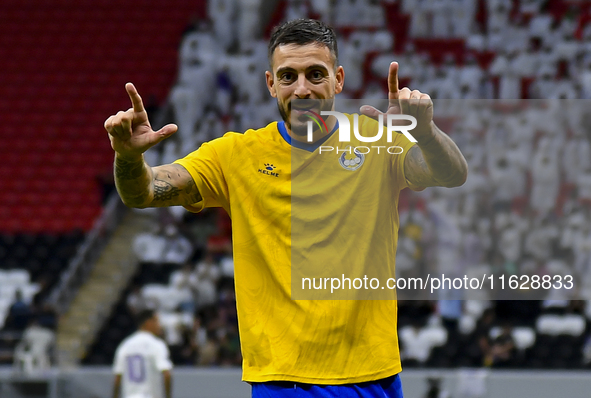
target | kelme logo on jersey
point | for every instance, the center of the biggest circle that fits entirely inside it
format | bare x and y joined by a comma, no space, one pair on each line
269,169
351,159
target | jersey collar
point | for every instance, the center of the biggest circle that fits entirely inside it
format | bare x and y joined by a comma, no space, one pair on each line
302,145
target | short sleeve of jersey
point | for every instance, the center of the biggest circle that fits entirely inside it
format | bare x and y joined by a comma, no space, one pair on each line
162,356
206,167
119,364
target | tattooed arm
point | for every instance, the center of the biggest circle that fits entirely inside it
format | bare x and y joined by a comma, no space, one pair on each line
435,162
140,185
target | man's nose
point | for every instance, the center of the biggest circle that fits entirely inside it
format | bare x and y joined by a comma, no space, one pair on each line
302,91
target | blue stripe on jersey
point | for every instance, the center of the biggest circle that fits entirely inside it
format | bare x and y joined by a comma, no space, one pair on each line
302,145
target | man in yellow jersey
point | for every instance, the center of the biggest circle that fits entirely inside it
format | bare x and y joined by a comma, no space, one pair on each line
297,348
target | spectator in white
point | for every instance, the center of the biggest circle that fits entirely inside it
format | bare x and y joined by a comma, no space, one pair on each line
188,108
418,342
33,351
576,158
476,185
351,56
183,280
246,79
297,9
248,22
142,362
441,18
545,178
449,235
540,26
509,181
222,13
197,74
344,15
526,62
382,40
149,246
547,117
178,249
420,11
136,301
463,12
207,274
510,243
520,146
473,245
227,265
509,77
585,79
498,15
573,226
372,13
412,62
470,76
323,8
540,239
442,86
565,89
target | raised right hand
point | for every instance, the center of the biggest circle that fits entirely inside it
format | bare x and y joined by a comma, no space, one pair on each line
130,132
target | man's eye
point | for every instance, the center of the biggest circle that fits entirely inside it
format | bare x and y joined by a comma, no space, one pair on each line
287,76
317,75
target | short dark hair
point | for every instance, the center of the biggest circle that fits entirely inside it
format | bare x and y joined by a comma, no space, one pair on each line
301,32
143,316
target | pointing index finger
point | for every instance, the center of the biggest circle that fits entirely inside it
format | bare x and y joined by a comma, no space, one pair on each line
136,100
393,81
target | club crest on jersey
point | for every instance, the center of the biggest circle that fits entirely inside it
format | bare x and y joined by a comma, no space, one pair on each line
351,159
269,169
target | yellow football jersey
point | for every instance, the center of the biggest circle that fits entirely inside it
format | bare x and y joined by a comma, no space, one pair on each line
295,207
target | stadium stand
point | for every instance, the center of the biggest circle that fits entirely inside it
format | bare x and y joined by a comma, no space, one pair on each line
500,49
436,55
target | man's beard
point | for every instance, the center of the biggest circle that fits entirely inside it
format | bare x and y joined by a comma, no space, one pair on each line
301,128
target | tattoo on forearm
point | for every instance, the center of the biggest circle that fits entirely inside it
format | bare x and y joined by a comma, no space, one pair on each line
125,170
173,185
165,191
416,168
139,185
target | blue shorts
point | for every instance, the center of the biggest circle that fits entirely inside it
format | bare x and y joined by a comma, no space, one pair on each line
390,387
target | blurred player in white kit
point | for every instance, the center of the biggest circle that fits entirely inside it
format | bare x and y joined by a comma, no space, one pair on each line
142,362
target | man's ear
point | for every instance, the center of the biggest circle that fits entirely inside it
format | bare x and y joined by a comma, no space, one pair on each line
340,79
270,84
